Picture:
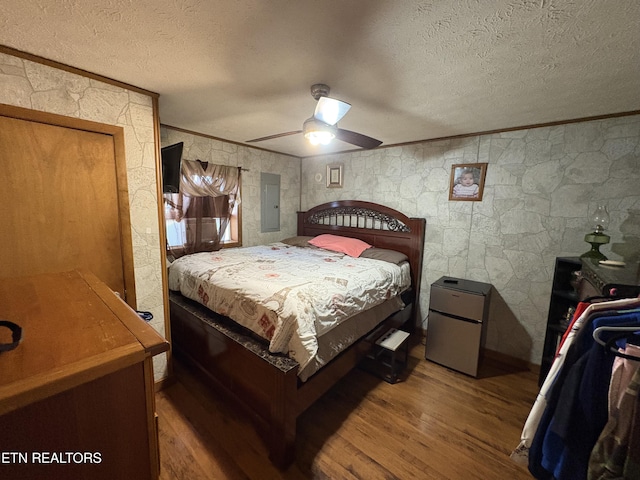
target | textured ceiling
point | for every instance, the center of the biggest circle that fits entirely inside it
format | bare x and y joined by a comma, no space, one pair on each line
412,70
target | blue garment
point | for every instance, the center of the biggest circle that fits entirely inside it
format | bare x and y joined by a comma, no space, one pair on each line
581,411
566,415
583,341
535,450
574,353
576,426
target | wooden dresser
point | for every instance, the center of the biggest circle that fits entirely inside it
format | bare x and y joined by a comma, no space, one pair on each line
612,281
77,395
577,279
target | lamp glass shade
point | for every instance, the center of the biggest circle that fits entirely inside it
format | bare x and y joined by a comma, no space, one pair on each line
600,219
599,222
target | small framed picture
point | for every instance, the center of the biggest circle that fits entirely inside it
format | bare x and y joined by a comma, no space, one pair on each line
334,176
467,181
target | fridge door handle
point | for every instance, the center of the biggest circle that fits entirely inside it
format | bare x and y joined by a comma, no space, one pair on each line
450,315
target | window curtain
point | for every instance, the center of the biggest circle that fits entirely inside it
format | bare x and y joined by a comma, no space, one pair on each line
199,214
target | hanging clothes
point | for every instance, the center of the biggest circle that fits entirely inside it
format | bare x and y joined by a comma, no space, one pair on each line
576,409
582,409
521,453
611,452
632,463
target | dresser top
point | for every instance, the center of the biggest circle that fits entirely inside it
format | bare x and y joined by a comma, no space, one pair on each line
74,330
628,274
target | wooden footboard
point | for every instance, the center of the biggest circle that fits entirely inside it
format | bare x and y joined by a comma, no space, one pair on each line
265,384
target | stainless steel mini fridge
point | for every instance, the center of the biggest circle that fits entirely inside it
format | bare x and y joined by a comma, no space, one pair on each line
457,324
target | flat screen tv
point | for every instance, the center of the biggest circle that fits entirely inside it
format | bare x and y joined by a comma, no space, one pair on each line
171,159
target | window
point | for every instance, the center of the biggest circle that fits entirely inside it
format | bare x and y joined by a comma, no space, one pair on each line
183,230
205,215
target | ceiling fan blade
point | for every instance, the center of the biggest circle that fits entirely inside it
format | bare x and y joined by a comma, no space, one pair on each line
330,110
357,139
270,137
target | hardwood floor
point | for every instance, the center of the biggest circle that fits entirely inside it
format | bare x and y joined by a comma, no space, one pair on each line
436,424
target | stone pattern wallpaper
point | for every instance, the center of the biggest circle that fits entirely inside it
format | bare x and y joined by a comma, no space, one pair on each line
40,87
252,161
541,188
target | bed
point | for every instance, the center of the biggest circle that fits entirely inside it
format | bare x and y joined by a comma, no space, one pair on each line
276,387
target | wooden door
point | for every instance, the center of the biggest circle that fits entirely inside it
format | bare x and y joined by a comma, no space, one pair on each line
270,202
65,201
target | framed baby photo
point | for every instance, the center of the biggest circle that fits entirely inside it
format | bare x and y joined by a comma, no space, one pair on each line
467,181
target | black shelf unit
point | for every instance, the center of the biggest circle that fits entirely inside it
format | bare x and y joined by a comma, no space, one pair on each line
564,298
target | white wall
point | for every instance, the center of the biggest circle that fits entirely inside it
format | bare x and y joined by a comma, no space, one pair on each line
541,187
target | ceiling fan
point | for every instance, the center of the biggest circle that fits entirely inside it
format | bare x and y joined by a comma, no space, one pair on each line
322,127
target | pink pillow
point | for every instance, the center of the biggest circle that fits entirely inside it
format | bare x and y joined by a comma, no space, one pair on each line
351,246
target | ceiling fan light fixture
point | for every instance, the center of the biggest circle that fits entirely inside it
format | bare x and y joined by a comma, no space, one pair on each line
330,110
320,138
318,133
323,126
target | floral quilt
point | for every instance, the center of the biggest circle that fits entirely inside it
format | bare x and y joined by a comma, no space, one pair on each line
288,295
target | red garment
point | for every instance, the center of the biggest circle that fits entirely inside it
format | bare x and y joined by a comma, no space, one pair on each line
582,306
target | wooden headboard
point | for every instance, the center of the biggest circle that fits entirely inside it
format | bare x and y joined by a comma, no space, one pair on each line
380,226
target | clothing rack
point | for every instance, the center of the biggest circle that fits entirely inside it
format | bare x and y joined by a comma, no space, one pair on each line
570,431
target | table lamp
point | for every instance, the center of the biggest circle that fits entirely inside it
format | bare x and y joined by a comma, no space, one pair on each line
599,223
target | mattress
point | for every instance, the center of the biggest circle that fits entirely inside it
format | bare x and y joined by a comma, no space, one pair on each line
292,296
